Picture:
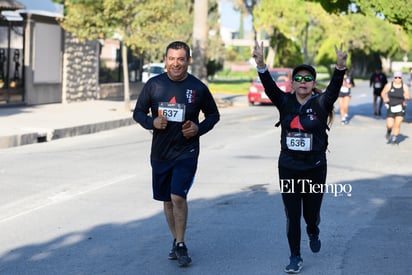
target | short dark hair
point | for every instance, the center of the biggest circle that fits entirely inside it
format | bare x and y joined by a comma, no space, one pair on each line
176,45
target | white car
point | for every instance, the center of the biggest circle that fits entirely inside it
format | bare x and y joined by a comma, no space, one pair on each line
151,70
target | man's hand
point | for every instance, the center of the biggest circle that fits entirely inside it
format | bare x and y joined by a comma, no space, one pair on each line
160,122
189,129
341,57
258,55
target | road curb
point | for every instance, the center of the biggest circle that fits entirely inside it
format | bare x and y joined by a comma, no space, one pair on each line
45,135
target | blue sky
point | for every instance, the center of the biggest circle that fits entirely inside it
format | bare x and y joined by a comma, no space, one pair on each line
44,5
229,18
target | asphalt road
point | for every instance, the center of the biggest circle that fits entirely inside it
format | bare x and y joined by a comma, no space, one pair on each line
83,205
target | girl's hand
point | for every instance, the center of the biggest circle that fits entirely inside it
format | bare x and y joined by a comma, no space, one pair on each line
258,55
341,57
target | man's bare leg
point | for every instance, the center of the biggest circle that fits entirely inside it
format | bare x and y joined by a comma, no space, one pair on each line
168,210
180,213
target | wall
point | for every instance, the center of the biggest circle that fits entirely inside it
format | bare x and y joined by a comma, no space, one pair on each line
59,68
80,69
115,90
42,60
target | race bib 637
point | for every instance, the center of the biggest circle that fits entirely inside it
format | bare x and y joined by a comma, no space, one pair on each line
172,111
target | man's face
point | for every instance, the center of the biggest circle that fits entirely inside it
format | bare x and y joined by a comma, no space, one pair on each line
176,64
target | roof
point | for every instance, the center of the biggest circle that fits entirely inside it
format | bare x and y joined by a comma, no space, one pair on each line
10,5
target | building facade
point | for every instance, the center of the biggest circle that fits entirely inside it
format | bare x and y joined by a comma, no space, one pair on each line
40,63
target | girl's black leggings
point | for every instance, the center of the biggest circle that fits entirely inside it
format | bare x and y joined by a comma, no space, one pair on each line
301,189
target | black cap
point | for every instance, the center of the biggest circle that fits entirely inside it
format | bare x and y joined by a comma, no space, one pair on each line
304,67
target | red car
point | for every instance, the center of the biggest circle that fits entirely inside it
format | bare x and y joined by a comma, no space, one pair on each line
282,77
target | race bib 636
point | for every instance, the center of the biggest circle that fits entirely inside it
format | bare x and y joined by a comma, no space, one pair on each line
299,141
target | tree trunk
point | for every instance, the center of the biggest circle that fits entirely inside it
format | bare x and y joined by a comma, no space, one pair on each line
125,78
200,35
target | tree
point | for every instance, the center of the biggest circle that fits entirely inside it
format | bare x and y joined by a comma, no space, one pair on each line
374,31
315,31
143,26
215,45
397,12
200,35
296,20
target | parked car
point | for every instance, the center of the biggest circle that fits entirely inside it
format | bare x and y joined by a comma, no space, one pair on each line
151,70
282,77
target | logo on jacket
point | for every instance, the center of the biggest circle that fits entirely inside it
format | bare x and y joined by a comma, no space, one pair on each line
190,95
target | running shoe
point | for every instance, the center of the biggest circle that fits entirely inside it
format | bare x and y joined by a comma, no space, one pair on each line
394,140
182,257
388,135
295,265
314,243
172,253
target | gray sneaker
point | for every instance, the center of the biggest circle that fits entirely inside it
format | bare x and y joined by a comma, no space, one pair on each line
394,140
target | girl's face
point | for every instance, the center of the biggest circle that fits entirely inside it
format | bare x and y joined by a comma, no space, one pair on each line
303,83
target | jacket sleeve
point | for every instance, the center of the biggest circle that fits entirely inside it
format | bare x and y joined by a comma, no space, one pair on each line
142,108
211,112
333,89
271,89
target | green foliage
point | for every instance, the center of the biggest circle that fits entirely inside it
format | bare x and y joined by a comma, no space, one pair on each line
232,54
289,53
394,11
244,76
215,45
315,26
326,57
287,16
144,26
227,81
213,67
334,6
233,87
303,23
300,31
84,19
382,36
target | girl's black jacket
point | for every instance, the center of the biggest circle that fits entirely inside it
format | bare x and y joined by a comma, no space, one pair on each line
310,118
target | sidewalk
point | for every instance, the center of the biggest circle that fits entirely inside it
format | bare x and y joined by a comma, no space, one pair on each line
41,123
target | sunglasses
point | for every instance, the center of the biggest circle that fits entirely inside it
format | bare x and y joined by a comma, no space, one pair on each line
299,78
398,77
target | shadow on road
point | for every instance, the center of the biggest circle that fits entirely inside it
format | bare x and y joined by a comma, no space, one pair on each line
242,233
